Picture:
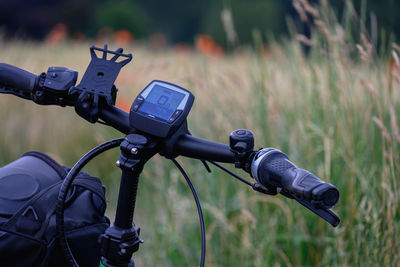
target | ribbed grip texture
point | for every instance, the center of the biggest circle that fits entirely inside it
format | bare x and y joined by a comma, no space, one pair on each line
275,169
16,78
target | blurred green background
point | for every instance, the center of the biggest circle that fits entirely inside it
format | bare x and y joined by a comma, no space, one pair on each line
179,21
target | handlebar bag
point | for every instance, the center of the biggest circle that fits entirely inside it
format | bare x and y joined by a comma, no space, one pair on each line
29,189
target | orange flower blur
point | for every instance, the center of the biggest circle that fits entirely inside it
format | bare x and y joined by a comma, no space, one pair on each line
206,45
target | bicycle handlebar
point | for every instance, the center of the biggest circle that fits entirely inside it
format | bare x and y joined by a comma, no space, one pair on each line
116,118
17,79
194,147
271,167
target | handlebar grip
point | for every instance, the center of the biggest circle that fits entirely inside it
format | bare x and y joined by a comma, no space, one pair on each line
273,168
16,78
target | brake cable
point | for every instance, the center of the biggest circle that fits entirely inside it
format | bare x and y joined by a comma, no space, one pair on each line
65,188
199,210
255,186
232,173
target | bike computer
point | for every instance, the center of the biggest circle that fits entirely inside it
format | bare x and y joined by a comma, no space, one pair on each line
160,109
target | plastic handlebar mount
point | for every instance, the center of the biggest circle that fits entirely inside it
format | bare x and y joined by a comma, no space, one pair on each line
16,78
273,168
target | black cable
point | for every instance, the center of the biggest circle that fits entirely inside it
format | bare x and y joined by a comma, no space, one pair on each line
64,190
232,173
199,210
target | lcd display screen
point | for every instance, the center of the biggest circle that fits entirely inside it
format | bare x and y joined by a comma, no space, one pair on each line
161,102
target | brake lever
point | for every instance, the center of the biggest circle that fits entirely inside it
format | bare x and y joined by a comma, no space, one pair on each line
325,214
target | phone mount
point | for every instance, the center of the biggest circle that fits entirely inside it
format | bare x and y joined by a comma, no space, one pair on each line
97,84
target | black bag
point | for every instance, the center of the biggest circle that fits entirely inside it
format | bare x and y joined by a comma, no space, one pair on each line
29,188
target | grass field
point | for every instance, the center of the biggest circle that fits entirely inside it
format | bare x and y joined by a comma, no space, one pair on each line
334,111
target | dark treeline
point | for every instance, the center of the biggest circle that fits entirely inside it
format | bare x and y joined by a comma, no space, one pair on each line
178,20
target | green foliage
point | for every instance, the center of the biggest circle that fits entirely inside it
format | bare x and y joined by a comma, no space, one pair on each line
179,20
264,16
120,15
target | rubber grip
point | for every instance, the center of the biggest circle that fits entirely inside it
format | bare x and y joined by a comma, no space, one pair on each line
16,78
275,169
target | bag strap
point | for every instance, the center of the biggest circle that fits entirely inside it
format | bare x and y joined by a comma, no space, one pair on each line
15,217
21,235
86,182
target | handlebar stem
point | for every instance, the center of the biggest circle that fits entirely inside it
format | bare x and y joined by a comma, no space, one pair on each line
121,239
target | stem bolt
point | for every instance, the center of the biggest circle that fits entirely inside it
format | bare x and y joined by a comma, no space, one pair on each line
134,151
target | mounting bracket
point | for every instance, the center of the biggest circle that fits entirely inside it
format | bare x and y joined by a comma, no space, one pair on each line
97,84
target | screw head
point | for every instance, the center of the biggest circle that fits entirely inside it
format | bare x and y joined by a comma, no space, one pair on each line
118,163
134,151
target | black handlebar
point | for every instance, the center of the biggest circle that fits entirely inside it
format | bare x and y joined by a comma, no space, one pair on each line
116,118
16,78
194,147
273,168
